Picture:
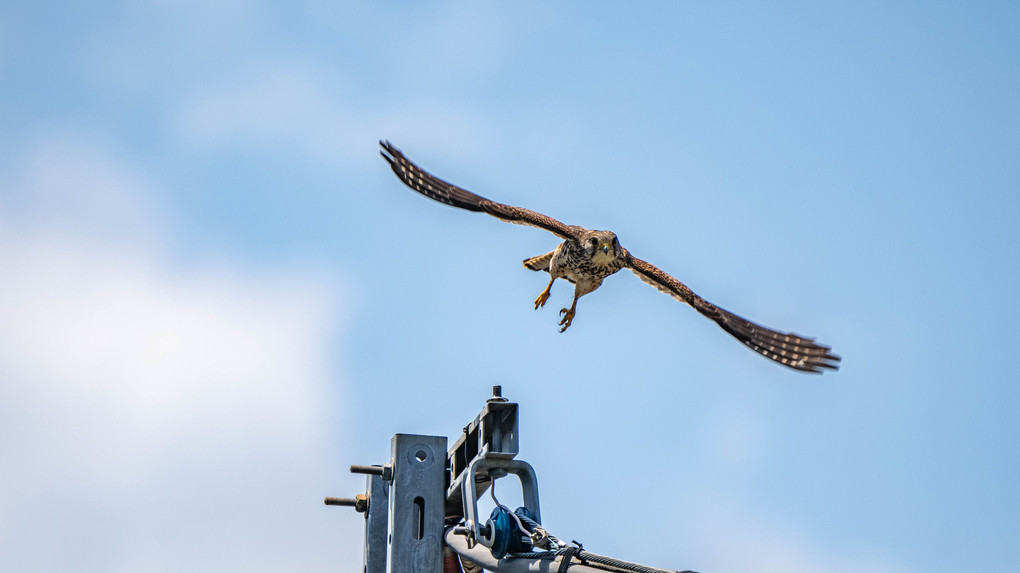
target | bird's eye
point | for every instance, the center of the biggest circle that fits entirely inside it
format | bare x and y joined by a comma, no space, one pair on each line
594,242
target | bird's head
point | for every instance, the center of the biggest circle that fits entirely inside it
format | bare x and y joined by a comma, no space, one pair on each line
602,246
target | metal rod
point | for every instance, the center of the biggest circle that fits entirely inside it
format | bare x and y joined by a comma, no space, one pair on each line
344,501
368,470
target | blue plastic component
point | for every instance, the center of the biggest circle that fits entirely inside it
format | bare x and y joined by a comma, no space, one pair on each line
500,525
520,543
506,536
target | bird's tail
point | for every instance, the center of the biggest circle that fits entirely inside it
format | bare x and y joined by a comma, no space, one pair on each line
539,263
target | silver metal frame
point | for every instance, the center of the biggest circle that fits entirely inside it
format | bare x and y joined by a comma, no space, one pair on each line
407,500
376,523
417,504
481,469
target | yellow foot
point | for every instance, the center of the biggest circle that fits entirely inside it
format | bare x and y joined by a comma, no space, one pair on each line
568,317
540,301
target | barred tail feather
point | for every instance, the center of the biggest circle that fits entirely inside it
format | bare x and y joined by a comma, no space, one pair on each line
539,263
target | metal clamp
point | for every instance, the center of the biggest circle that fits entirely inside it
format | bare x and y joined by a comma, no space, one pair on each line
484,467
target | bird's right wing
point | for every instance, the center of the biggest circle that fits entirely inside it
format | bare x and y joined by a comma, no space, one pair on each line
788,349
435,188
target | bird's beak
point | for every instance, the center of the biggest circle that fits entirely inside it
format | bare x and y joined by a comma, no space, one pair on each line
605,248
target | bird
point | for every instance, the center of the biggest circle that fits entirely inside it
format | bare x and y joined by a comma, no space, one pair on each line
587,256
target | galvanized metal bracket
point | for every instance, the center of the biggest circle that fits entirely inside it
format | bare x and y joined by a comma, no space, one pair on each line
376,523
407,500
481,470
374,503
485,451
493,434
417,502
404,507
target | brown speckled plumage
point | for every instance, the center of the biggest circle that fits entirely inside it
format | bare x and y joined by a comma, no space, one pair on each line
586,257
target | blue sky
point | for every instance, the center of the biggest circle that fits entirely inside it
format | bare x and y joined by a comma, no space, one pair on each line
215,296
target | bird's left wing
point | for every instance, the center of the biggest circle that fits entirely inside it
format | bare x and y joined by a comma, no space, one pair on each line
435,188
788,349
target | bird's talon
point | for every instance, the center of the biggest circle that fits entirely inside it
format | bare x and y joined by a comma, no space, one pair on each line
568,318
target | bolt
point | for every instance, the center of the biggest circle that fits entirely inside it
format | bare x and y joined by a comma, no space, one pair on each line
485,530
497,395
386,471
359,503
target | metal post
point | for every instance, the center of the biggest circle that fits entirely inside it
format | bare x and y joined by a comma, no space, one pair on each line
417,501
375,524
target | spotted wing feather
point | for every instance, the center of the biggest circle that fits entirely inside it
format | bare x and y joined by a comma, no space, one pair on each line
435,188
791,350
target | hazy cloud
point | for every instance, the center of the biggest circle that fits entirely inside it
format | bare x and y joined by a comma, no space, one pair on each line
165,416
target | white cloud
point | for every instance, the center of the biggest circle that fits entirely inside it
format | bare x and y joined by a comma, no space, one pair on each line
71,185
155,416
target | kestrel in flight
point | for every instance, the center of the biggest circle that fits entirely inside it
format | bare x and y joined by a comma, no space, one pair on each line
586,257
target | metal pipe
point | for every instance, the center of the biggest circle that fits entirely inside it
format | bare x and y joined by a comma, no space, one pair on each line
480,554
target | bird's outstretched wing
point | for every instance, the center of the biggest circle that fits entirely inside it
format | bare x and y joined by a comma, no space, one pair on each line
788,349
435,188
